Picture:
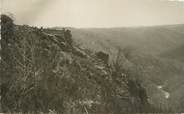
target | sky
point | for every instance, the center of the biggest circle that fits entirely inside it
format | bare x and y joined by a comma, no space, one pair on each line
95,13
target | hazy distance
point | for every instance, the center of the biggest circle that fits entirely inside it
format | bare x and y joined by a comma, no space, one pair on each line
95,13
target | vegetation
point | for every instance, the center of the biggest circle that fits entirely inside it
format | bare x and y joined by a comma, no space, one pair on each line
44,71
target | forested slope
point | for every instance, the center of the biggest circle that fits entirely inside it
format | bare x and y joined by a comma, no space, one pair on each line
42,70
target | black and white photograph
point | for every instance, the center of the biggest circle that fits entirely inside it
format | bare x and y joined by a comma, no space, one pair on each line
91,56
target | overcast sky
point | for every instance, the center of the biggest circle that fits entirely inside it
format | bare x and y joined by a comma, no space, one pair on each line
95,13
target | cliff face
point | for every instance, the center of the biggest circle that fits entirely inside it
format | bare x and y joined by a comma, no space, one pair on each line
43,70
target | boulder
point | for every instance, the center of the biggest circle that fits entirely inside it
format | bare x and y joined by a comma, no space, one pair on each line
103,56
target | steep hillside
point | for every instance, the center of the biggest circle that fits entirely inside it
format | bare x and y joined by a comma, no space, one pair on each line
42,71
163,78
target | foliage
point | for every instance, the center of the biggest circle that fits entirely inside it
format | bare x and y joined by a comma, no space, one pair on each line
44,73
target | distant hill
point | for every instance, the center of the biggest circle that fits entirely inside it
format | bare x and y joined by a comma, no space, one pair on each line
152,40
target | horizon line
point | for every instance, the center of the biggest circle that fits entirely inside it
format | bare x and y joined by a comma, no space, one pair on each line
136,26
